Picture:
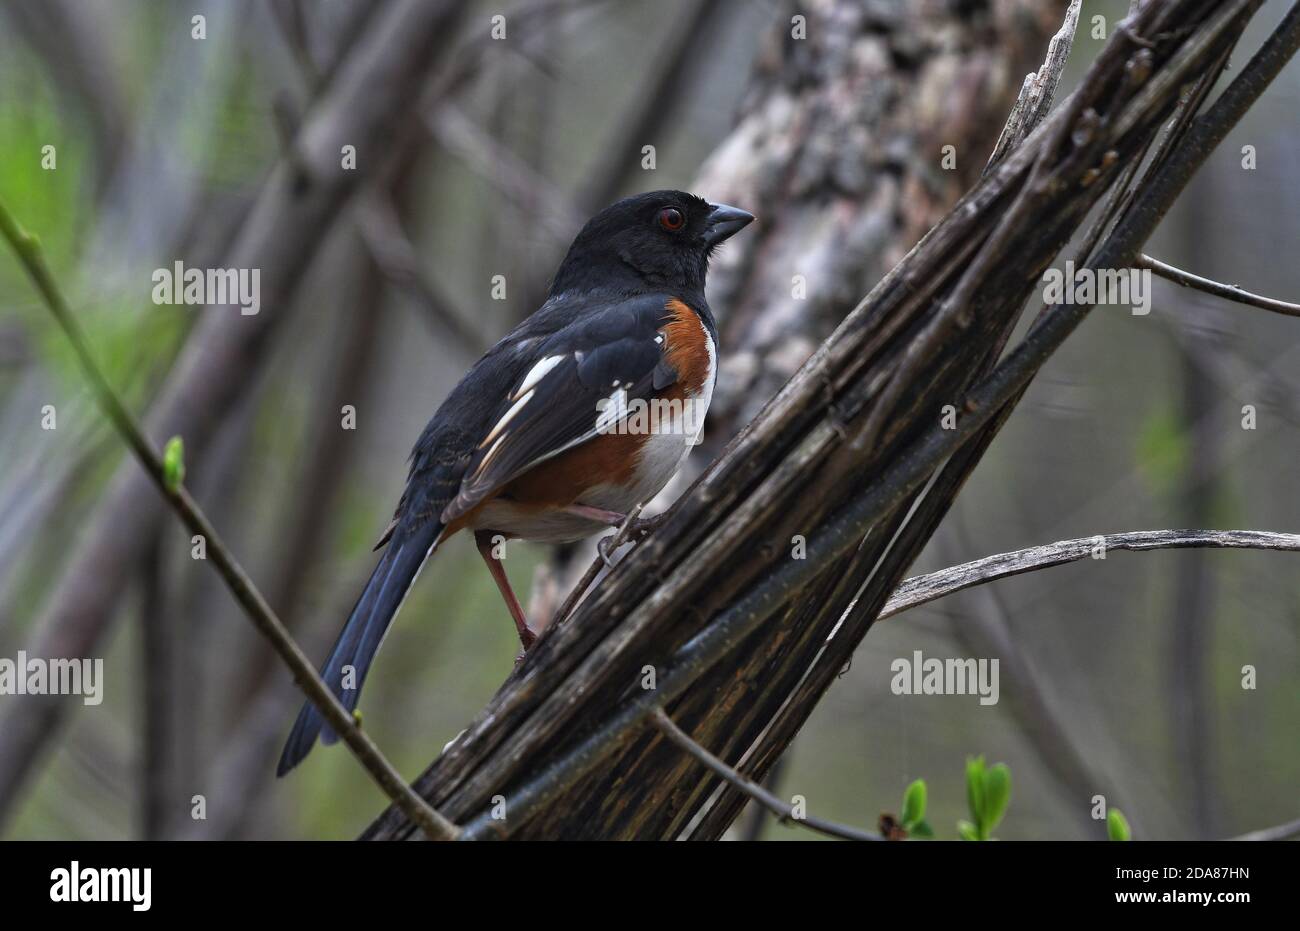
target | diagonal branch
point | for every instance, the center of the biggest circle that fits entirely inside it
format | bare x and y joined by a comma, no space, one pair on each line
783,811
932,586
1217,288
372,86
1278,832
30,254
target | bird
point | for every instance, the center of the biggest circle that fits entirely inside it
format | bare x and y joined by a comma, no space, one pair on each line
579,415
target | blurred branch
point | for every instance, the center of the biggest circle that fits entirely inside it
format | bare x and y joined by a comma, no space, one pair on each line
391,250
74,40
377,82
159,759
1277,832
394,254
31,256
1217,288
381,228
691,38
521,185
238,771
923,589
434,825
783,811
292,23
302,528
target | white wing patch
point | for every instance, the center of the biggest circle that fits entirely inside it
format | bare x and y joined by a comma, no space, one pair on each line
509,415
536,374
522,395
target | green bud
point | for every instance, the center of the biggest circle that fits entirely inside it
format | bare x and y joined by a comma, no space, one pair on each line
975,788
1117,825
174,463
914,804
997,795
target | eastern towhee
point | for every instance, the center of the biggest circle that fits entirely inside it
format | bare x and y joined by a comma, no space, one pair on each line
584,411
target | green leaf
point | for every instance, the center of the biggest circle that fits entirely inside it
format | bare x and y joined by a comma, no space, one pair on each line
913,804
921,829
1117,825
967,831
997,796
975,788
174,463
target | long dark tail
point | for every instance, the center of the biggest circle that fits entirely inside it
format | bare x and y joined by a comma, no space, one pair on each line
357,645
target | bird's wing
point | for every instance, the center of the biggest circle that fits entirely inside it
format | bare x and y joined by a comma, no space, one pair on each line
579,385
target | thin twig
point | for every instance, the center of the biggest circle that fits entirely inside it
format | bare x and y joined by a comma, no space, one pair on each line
932,586
1277,832
366,100
1217,288
783,811
30,254
594,569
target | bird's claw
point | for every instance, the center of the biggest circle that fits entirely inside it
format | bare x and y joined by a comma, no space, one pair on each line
605,547
634,531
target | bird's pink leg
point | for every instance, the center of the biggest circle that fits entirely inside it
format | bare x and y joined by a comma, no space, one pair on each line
483,540
612,518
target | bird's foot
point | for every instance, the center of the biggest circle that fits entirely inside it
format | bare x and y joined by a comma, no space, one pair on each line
633,530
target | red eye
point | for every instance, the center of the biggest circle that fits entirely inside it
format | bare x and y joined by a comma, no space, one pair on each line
671,219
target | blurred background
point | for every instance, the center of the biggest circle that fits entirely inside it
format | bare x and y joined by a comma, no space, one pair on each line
1119,678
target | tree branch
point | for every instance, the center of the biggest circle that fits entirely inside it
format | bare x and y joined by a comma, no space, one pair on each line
1217,288
932,586
30,254
783,811
371,88
1277,832
1039,89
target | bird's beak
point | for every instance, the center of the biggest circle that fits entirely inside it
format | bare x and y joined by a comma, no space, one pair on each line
724,222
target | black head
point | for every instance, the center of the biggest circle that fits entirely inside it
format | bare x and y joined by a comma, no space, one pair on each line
656,241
